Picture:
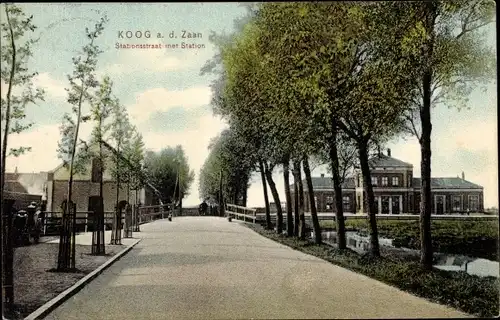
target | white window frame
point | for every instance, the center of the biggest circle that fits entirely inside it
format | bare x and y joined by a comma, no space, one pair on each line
385,181
476,197
453,207
395,181
329,202
374,181
346,204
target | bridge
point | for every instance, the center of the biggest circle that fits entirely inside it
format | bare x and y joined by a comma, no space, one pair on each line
208,268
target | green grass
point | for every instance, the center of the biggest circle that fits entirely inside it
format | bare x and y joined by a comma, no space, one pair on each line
471,294
473,238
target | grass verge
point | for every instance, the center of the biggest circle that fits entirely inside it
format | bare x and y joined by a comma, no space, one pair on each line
468,293
471,238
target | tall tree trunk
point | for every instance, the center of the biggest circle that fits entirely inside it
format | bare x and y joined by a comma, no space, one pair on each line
245,191
269,225
99,216
117,216
365,170
298,181
7,250
221,196
295,202
310,192
276,197
236,192
426,254
128,192
61,264
288,196
337,187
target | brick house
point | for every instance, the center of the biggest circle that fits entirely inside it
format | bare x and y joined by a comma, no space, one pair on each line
86,188
397,191
25,187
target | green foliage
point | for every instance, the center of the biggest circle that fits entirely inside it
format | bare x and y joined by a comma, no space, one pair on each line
461,60
134,153
120,135
82,81
162,167
100,111
472,294
472,238
15,52
231,156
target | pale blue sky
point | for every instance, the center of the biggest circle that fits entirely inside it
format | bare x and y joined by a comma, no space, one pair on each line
169,101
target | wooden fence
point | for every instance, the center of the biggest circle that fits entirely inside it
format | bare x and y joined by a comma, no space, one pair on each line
257,216
242,213
84,220
408,217
149,213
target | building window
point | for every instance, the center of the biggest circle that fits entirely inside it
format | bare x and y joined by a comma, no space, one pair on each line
457,205
329,203
395,181
374,181
316,202
96,170
473,203
347,203
385,181
358,203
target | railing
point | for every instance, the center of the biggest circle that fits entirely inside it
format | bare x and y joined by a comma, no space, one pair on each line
243,213
347,216
84,219
149,213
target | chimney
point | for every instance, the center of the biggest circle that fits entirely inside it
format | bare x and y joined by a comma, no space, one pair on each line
379,152
463,175
388,152
15,171
322,175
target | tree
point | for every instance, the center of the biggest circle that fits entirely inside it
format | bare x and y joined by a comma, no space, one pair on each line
135,154
82,79
300,219
445,41
15,52
121,131
164,167
347,70
341,159
229,153
101,108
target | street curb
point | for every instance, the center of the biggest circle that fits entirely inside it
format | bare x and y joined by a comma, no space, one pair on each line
48,307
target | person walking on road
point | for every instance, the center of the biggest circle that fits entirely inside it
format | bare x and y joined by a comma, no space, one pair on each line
203,208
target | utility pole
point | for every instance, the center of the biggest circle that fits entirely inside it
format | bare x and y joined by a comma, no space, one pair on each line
180,189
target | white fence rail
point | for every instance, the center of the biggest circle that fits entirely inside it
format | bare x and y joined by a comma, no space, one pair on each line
239,212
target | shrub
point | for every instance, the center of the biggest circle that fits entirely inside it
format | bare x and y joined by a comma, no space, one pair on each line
472,238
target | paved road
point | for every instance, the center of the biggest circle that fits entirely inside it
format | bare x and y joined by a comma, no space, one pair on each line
208,268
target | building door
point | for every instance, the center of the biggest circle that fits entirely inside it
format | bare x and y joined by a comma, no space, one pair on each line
94,206
385,205
439,206
395,205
